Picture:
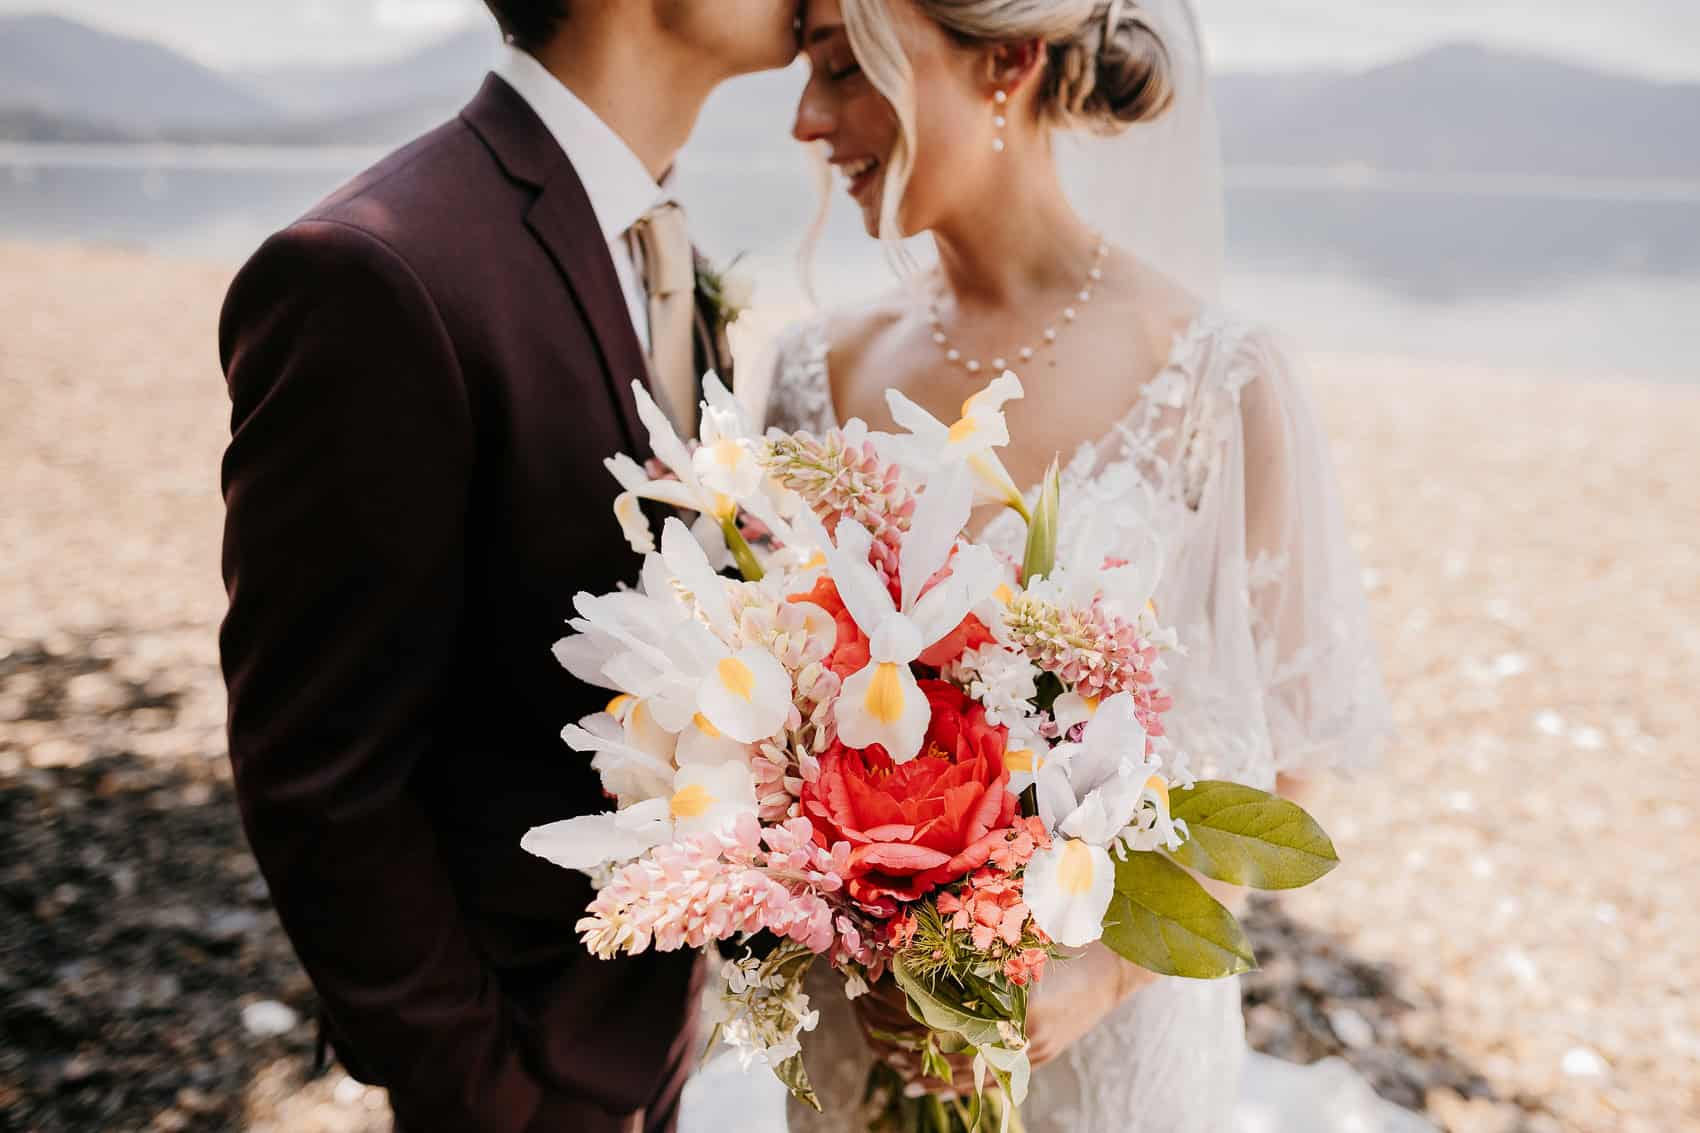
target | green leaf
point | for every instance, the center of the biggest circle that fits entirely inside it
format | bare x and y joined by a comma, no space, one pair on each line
1010,1067
796,1079
940,1015
1041,558
1248,837
1163,920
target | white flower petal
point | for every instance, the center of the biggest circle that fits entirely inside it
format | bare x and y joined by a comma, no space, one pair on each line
747,696
1071,708
1068,889
584,655
916,420
588,842
711,797
663,441
1025,757
630,770
712,539
1005,387
727,466
859,584
974,576
882,704
938,520
1057,799
1113,745
702,743
685,558
673,493
634,525
993,479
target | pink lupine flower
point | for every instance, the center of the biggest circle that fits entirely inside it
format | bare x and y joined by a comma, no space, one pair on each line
1095,653
713,887
840,478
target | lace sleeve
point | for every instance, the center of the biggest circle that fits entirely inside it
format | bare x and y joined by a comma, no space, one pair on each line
800,396
1313,652
1323,695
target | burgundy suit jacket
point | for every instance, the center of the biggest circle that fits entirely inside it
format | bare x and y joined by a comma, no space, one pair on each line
426,374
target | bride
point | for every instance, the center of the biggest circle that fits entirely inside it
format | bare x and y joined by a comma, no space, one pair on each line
946,117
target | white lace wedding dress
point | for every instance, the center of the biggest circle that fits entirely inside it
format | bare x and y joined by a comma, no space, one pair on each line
1221,451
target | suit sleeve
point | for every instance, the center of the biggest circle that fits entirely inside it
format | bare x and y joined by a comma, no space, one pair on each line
345,486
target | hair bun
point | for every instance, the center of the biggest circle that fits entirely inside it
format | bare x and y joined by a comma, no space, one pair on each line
1108,78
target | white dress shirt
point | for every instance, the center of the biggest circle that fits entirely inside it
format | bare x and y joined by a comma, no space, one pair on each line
619,185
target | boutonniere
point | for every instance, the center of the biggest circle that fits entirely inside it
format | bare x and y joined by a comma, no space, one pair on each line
728,291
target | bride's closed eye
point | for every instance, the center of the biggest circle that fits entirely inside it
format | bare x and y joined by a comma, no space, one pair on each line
839,69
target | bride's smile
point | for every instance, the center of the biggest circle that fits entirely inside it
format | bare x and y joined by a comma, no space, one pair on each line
859,173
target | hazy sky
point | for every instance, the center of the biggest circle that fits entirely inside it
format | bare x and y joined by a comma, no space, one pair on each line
1651,37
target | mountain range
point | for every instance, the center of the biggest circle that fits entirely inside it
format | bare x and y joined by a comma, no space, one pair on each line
1458,108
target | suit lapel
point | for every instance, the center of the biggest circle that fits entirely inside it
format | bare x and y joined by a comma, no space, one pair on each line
563,221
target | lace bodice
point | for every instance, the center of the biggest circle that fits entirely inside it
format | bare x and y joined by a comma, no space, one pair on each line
1221,456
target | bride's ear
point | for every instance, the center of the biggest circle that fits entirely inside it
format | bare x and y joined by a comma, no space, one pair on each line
1010,65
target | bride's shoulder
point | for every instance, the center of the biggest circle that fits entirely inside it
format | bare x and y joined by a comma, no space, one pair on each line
851,334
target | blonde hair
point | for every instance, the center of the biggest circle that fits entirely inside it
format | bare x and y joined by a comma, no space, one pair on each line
1106,68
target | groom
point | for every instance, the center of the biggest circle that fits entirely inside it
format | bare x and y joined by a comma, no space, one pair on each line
427,372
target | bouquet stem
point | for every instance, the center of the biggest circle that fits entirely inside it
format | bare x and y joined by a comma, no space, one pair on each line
741,553
893,1111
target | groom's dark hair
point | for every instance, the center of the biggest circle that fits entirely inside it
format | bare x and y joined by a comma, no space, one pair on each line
529,23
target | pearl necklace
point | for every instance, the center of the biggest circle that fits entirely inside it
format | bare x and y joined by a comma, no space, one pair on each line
1026,354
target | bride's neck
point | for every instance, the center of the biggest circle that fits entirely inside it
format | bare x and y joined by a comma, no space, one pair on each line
1017,238
641,86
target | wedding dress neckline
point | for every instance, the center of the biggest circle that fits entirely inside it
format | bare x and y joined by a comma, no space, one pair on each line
1187,342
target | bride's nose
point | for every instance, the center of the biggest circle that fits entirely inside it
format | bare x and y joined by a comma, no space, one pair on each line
815,119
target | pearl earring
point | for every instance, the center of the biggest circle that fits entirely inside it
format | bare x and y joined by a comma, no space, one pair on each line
999,100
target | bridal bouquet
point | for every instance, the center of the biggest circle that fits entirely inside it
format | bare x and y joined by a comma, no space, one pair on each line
886,747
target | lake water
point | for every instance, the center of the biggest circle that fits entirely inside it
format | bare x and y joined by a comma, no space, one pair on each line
1541,278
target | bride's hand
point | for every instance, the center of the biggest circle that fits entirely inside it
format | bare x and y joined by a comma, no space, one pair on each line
1074,996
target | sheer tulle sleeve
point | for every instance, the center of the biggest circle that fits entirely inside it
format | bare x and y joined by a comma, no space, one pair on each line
799,394
1315,655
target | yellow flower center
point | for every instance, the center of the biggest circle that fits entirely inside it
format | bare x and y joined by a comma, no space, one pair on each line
884,700
1075,872
818,559
736,678
1022,762
1004,594
705,727
963,429
1155,783
692,802
727,453
617,706
725,507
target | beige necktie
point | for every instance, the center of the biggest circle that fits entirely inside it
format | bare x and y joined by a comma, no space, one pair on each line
669,276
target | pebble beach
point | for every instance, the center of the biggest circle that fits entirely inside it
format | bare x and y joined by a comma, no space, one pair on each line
1510,945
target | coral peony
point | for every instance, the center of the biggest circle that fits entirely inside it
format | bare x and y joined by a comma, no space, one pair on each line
924,824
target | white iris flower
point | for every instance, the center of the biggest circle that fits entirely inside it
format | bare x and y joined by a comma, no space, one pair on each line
675,656
1090,793
969,442
717,480
703,798
882,703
